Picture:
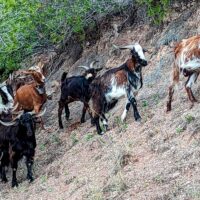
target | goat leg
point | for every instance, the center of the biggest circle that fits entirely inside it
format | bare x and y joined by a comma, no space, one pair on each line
3,174
96,121
67,113
14,165
3,163
123,116
29,164
169,102
83,113
60,109
136,113
191,80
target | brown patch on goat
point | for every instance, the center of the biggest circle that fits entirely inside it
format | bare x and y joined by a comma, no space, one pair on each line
131,64
28,98
120,77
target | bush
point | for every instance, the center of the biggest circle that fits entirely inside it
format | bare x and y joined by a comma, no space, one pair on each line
156,9
27,27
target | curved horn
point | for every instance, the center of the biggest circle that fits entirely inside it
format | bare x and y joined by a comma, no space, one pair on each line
84,67
8,123
92,64
15,107
40,114
124,47
18,114
127,47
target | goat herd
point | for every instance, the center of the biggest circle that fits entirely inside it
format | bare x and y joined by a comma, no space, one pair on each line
23,94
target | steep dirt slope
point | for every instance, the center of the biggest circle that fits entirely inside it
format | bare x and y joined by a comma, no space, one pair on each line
155,159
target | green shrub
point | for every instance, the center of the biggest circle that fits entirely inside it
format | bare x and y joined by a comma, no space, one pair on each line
156,9
27,27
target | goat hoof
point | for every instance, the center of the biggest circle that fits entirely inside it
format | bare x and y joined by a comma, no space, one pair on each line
30,179
14,184
139,119
61,126
82,121
4,180
101,133
191,106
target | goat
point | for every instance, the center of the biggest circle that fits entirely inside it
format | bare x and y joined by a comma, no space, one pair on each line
187,61
75,88
6,98
22,77
31,96
114,83
17,139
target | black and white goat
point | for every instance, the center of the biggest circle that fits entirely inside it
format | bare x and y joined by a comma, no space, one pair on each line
124,80
17,139
6,98
76,88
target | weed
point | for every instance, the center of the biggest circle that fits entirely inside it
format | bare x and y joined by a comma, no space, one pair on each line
43,179
158,179
156,98
121,125
55,139
179,130
74,139
89,136
145,103
189,118
42,147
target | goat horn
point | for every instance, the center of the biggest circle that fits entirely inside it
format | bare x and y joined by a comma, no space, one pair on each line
84,67
92,63
40,114
15,107
123,47
8,123
127,47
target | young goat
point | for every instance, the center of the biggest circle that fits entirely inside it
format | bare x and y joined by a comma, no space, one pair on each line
75,88
117,82
187,61
17,139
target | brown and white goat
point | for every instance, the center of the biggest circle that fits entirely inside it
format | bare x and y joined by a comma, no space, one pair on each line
187,61
125,80
31,96
22,77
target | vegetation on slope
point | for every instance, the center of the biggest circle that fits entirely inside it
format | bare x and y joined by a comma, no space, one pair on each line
28,27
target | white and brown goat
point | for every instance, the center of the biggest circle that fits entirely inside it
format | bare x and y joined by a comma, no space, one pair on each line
124,80
187,61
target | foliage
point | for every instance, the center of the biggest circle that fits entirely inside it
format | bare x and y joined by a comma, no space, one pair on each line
156,9
28,26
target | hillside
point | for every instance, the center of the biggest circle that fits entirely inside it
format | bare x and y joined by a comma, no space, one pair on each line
156,159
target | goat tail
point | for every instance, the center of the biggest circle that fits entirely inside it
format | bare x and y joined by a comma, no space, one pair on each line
63,77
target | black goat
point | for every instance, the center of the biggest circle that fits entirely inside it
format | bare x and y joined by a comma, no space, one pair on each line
124,80
17,139
75,88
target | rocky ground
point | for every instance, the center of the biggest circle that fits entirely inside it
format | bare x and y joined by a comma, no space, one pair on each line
156,159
